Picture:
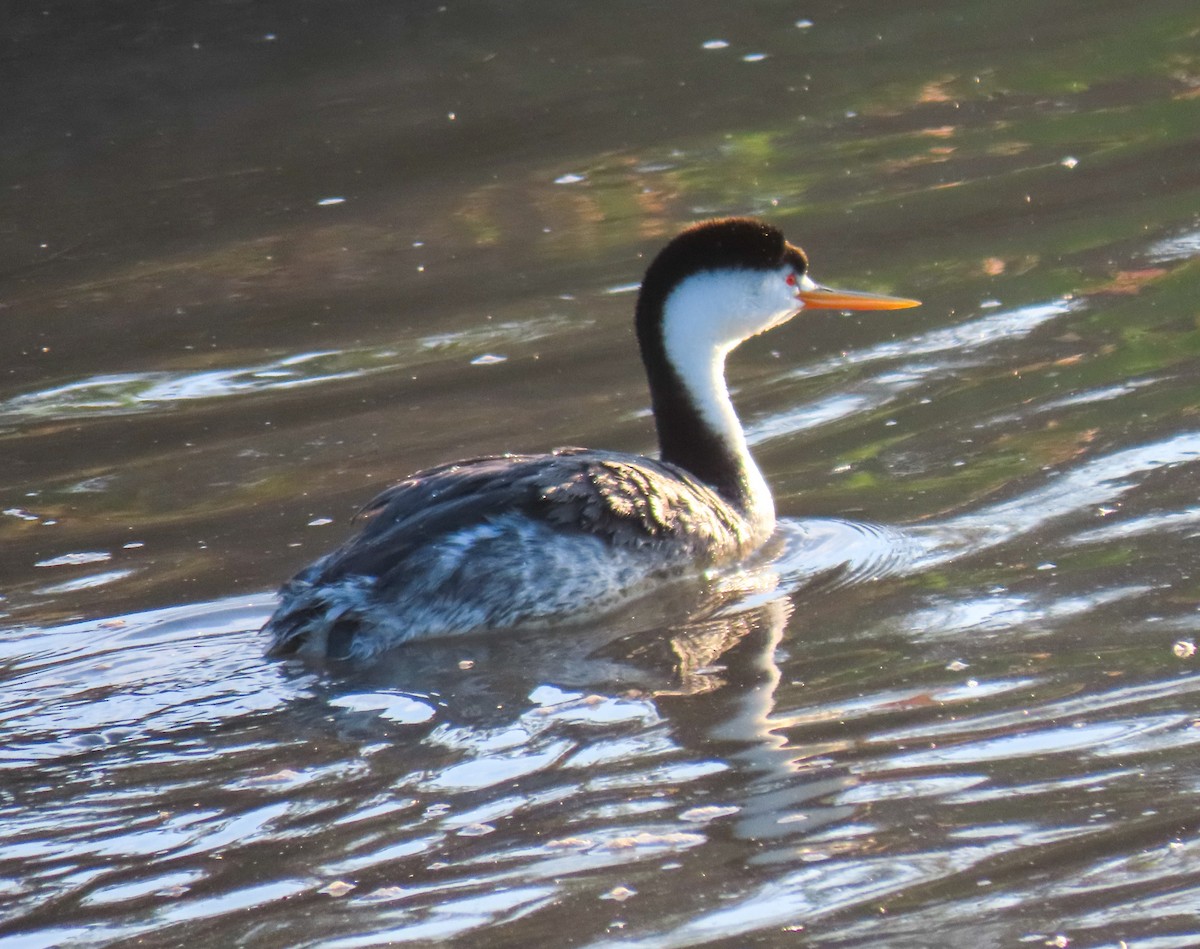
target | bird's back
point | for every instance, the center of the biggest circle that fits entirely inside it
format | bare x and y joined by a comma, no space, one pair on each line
504,541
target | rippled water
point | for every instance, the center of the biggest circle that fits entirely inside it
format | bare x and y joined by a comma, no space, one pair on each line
259,261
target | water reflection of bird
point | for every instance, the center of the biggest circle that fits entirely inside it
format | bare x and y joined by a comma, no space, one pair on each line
526,540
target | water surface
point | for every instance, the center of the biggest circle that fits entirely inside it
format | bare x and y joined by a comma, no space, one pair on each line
258,261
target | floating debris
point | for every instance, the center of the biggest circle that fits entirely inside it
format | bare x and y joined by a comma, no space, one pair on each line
702,815
647,839
569,843
285,776
387,893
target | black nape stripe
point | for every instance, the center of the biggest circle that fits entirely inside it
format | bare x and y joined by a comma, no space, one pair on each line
727,243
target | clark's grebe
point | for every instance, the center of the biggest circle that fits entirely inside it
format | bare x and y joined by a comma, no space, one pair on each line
524,540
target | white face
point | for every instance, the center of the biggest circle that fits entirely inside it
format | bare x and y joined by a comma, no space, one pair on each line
718,309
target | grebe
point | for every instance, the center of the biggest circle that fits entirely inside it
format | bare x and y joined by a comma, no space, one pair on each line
526,540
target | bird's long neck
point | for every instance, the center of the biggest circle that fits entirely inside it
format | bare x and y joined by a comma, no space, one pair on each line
698,429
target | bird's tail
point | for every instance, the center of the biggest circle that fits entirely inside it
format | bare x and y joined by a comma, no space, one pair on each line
310,622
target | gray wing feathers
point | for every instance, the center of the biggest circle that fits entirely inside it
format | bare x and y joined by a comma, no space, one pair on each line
628,501
451,542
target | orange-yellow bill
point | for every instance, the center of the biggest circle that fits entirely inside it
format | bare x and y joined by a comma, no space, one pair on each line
824,298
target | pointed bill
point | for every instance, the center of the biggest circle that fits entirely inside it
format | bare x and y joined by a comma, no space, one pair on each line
825,298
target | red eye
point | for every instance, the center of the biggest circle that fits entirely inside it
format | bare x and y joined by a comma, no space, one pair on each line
791,280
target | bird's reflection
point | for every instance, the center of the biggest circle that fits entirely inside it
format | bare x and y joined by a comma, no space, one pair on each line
700,694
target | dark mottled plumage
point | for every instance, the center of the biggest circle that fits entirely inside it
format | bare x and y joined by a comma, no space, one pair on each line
649,519
631,501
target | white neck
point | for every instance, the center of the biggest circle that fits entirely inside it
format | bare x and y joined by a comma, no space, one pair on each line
704,319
